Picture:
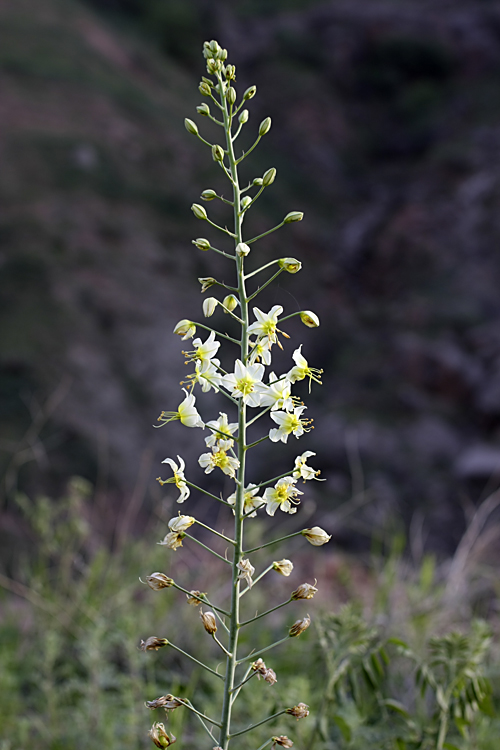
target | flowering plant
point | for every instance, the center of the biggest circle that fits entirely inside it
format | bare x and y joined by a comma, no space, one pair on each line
247,391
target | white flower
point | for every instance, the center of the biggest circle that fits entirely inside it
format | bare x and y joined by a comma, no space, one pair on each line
219,459
302,369
267,325
316,536
302,471
246,572
180,523
204,352
283,567
251,500
246,382
222,432
186,413
207,375
261,351
282,496
178,479
289,423
185,328
278,394
173,540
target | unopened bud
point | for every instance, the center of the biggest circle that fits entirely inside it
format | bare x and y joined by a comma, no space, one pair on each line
300,711
265,126
242,249
203,109
258,181
195,597
250,93
304,591
181,523
316,536
209,622
245,202
283,567
209,306
201,243
217,153
230,72
191,126
185,328
299,626
210,49
208,195
204,89
214,66
244,115
230,302
157,581
222,54
231,95
199,211
159,736
291,265
269,177
309,319
293,216
153,643
206,282
282,741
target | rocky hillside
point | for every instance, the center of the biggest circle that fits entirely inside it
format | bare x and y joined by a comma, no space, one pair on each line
386,132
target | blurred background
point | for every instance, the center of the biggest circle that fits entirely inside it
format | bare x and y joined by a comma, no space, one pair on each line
386,133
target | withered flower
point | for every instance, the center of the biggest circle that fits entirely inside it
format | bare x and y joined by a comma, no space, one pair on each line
316,536
284,567
195,597
173,540
269,675
246,571
299,626
157,581
168,702
160,737
209,622
282,741
153,643
304,591
300,711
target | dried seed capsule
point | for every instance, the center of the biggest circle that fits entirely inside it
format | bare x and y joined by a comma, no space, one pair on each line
300,711
304,591
153,643
195,597
209,622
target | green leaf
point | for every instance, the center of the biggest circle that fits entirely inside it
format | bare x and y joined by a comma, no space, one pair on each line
344,727
396,706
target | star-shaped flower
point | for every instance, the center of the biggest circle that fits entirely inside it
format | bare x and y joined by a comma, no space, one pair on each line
289,423
302,470
219,459
246,383
302,369
282,496
251,500
222,432
178,479
186,413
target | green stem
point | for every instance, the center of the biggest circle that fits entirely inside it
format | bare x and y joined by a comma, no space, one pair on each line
222,335
262,268
266,743
198,713
203,600
259,290
274,479
269,544
256,580
268,612
200,663
264,234
260,440
245,680
258,724
223,648
262,650
247,153
193,539
209,494
209,528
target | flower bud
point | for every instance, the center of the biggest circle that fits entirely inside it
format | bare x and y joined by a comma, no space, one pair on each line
265,126
282,741
180,523
230,72
195,597
231,95
242,249
291,265
208,195
209,622
250,93
214,66
316,536
293,216
283,567
309,319
304,591
204,89
217,153
209,306
300,711
299,626
269,177
206,282
153,643
185,328
157,581
210,49
203,109
159,736
258,181
244,115
199,211
191,126
201,243
230,302
245,202
222,54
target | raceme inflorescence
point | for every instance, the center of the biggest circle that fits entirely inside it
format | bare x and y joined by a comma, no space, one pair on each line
252,390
